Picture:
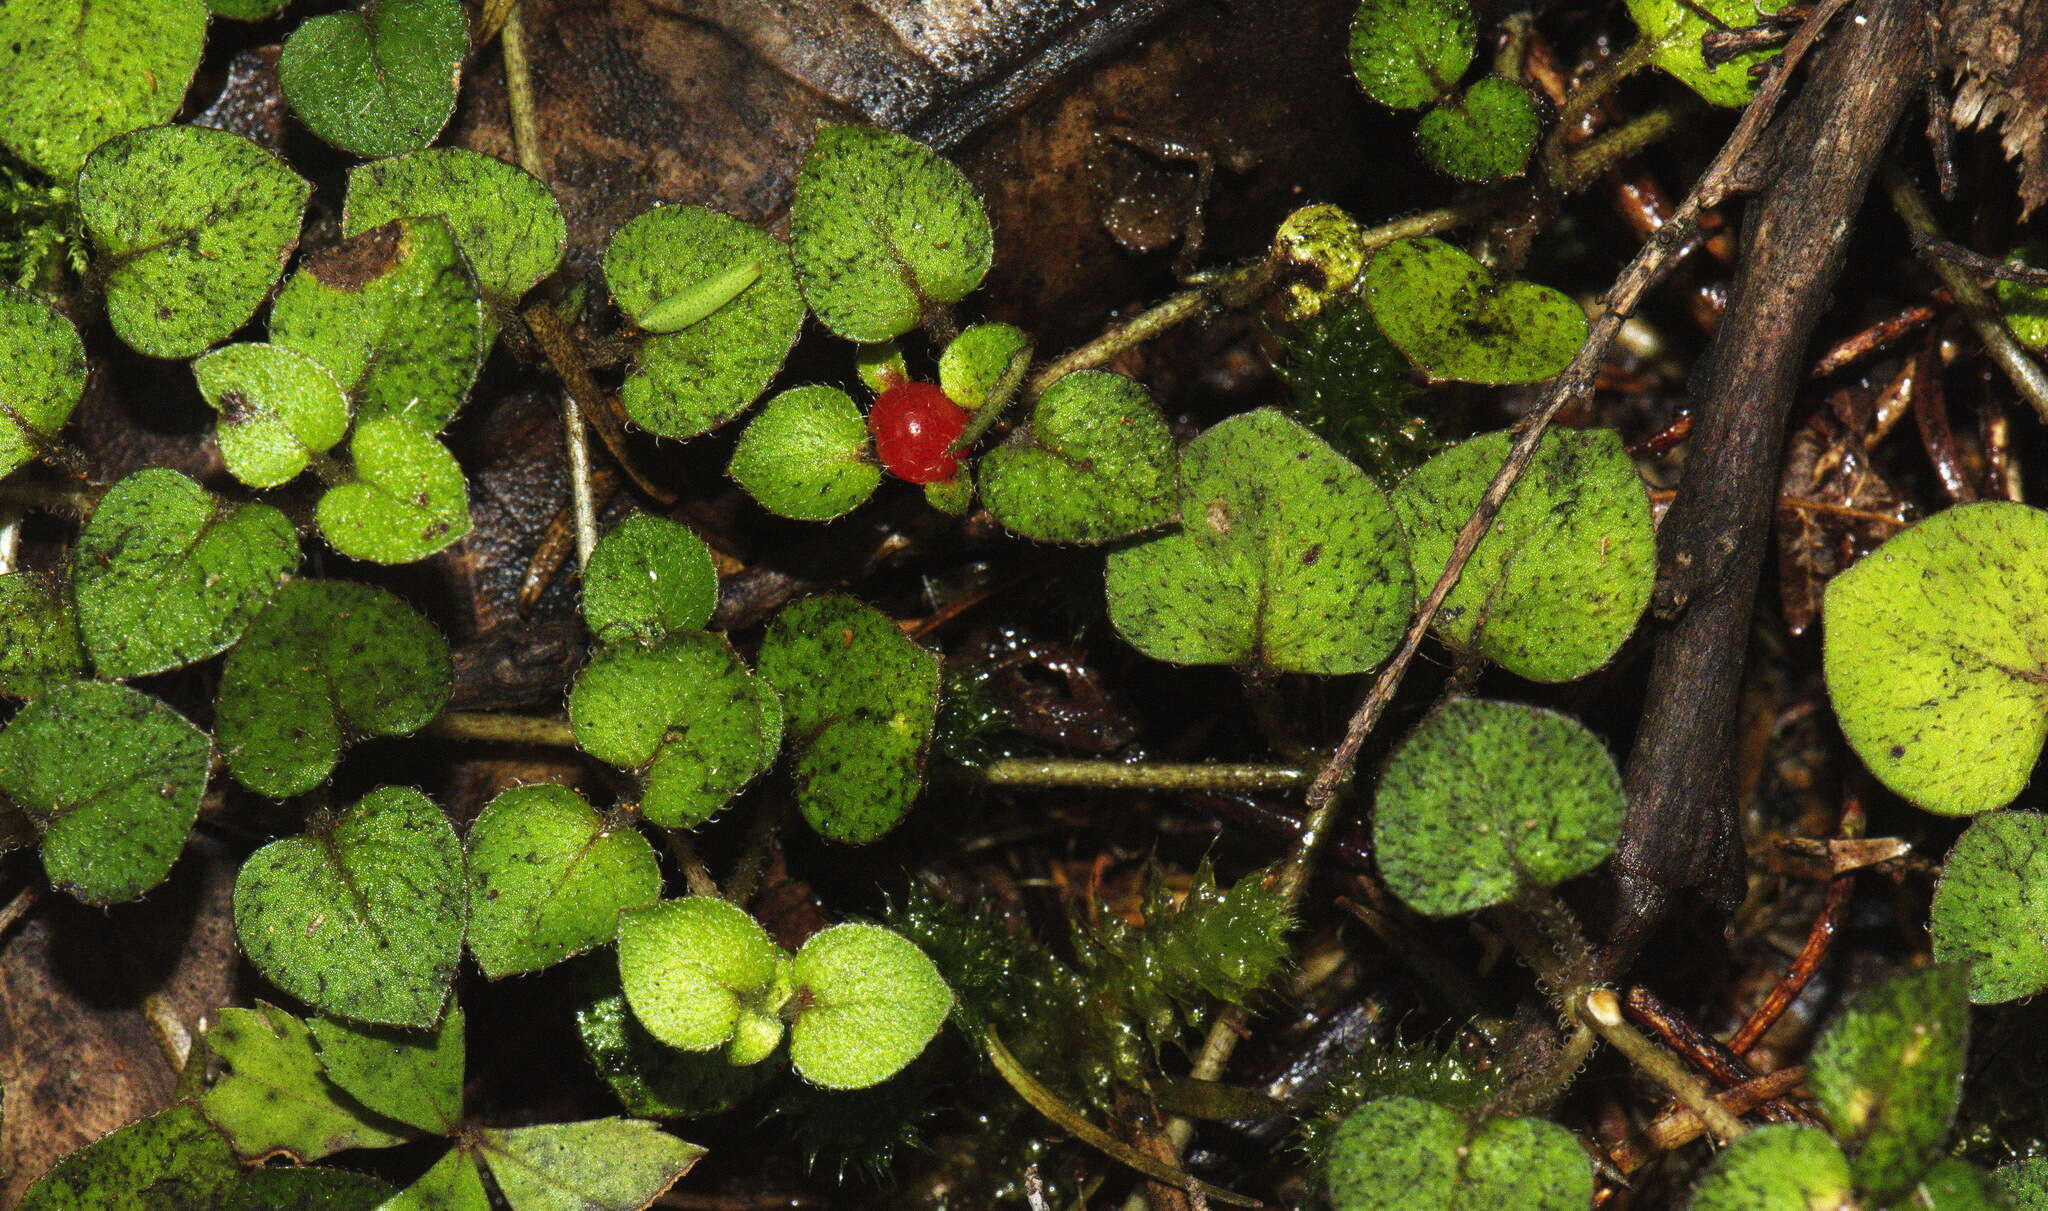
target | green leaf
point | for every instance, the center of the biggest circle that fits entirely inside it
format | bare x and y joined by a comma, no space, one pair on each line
408,499
1560,579
860,698
272,1097
609,1164
1783,1167
977,359
277,408
548,878
412,1076
168,1162
2025,307
1095,464
1487,799
883,230
1989,908
1456,323
648,577
805,455
1674,29
868,1002
952,496
310,1189
378,81
39,645
1353,389
1950,1184
165,573
2025,1183
1888,1073
686,713
1935,660
395,315
1400,1152
195,225
650,1079
1287,556
326,661
1407,53
79,72
42,370
453,1184
1484,135
245,10
363,916
691,967
691,381
509,225
112,779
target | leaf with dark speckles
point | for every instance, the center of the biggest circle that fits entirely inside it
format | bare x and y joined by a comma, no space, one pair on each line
1989,910
1457,324
1095,464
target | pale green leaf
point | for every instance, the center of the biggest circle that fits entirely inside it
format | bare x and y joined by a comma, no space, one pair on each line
1991,906
278,408
80,72
610,1164
648,578
1407,53
1457,323
509,225
270,1095
1095,463
42,371
1399,1153
548,878
868,1002
411,1076
408,498
805,455
379,80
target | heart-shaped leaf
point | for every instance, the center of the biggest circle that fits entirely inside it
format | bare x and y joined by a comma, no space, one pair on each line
410,1076
805,455
1456,323
695,379
883,230
1484,135
608,1164
548,878
508,224
1889,1074
1674,29
691,967
1287,556
378,81
39,645
1560,579
1485,800
1988,910
394,313
194,225
271,1095
648,578
1095,464
1782,1167
362,916
868,1001
174,1159
408,499
165,573
686,713
112,779
651,1079
277,408
976,360
1937,656
1407,53
860,698
42,373
327,661
1401,1152
80,72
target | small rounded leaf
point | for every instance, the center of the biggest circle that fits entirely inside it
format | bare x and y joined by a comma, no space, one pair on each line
977,359
1674,29
548,878
1095,464
1484,135
364,917
326,661
42,374
648,577
650,1079
690,966
1486,799
1561,578
1888,1073
378,81
510,227
78,73
195,226
697,378
1407,53
868,1001
112,779
805,455
1398,1153
1934,656
1456,323
166,573
408,499
1782,1167
883,229
1988,910
39,644
277,408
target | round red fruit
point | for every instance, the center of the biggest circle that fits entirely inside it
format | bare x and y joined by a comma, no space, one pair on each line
913,424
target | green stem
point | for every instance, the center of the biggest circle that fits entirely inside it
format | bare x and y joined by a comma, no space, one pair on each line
1601,1009
999,396
508,729
696,875
519,93
1234,288
1582,166
1581,101
1135,775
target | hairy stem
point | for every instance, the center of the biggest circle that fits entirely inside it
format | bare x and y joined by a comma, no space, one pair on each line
1601,1009
509,729
1137,775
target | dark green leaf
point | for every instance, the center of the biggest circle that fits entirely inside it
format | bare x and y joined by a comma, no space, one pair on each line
1407,53
1095,464
42,368
805,455
1888,1073
170,1162
510,227
453,1184
1484,135
39,645
610,1164
378,81
1783,1167
548,878
412,1076
648,578
1400,1153
310,1189
1989,910
651,1079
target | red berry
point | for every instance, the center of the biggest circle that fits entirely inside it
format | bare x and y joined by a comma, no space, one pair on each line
913,423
